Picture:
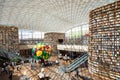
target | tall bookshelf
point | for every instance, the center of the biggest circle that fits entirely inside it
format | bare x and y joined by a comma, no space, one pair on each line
52,38
9,38
104,42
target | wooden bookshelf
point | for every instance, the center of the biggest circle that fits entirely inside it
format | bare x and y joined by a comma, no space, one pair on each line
104,42
26,52
52,38
9,38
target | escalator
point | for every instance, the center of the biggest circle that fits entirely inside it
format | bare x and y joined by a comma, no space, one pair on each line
6,54
10,56
79,61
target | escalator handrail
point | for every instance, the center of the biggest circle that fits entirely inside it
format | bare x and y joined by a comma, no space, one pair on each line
77,60
78,63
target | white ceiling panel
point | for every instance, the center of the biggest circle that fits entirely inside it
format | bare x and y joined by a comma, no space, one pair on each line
47,15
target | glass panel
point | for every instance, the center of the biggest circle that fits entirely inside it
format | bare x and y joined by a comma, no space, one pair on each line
77,35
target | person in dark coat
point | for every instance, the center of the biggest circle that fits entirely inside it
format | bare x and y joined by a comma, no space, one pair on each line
77,73
10,75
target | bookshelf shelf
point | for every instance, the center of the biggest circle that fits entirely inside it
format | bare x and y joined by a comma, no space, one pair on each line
9,38
104,42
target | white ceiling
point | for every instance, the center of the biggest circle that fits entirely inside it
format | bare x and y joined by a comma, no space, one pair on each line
47,15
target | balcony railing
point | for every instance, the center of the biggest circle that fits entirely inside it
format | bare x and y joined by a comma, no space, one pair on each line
77,48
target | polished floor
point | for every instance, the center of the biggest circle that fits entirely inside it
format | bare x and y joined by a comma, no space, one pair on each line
52,71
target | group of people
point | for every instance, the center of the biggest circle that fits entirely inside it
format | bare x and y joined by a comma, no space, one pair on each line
8,68
43,75
66,58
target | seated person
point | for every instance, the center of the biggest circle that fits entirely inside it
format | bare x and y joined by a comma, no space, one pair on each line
42,75
46,63
50,63
60,56
65,57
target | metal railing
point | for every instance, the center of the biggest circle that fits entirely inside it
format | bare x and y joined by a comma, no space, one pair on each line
77,63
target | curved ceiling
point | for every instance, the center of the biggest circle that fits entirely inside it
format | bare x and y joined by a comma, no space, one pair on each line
47,15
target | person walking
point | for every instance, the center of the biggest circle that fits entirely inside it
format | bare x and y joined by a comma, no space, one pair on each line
10,68
17,67
6,69
57,62
10,75
2,70
77,73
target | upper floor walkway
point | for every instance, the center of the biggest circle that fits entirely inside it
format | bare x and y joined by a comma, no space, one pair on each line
77,48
